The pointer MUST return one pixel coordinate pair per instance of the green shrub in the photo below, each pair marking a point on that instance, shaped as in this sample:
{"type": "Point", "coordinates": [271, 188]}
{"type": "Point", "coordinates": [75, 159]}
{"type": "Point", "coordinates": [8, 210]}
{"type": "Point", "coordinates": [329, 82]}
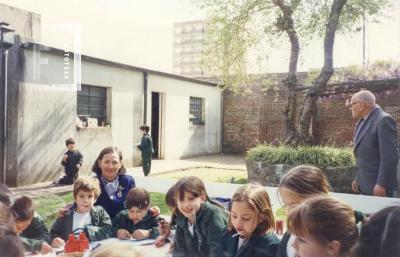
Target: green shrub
{"type": "Point", "coordinates": [320, 156]}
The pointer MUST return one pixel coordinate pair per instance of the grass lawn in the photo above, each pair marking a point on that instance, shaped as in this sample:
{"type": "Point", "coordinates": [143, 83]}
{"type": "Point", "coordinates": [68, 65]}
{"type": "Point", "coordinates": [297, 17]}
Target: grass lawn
{"type": "Point", "coordinates": [209, 174]}
{"type": "Point", "coordinates": [48, 206]}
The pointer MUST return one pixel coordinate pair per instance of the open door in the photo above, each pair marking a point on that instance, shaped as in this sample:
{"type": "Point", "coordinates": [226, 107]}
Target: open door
{"type": "Point", "coordinates": [156, 124]}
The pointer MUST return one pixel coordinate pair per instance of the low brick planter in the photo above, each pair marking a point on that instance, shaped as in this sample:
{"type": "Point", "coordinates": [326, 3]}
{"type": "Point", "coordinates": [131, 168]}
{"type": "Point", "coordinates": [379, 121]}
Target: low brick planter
{"type": "Point", "coordinates": [269, 175]}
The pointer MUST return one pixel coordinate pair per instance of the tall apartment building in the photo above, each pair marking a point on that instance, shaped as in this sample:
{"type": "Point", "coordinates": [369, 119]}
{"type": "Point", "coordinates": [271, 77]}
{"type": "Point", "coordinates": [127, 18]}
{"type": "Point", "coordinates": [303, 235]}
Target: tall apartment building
{"type": "Point", "coordinates": [188, 48]}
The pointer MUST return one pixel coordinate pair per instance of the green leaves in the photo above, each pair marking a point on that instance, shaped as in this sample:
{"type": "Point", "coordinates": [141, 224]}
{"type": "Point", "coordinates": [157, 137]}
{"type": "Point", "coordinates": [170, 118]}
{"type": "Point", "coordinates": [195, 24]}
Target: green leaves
{"type": "Point", "coordinates": [321, 157]}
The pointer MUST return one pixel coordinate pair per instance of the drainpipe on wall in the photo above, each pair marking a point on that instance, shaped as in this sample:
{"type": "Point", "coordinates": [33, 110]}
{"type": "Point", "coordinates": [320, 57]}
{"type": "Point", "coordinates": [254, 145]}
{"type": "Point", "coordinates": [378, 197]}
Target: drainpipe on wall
{"type": "Point", "coordinates": [145, 79]}
{"type": "Point", "coordinates": [4, 82]}
{"type": "Point", "coordinates": [222, 122]}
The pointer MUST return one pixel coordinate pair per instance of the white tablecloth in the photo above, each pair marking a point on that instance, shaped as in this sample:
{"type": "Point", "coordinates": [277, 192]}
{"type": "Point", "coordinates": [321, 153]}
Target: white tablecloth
{"type": "Point", "coordinates": [148, 250]}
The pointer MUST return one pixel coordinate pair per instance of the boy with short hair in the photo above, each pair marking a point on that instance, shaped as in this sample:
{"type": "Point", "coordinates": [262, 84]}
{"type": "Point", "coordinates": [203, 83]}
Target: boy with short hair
{"type": "Point", "coordinates": [30, 227]}
{"type": "Point", "coordinates": [136, 221]}
{"type": "Point", "coordinates": [84, 216]}
{"type": "Point", "coordinates": [146, 147]}
{"type": "Point", "coordinates": [72, 161]}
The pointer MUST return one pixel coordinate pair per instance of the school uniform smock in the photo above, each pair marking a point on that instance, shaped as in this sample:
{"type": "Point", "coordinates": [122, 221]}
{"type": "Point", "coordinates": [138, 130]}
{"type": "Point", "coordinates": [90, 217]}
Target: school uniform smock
{"type": "Point", "coordinates": [35, 234]}
{"type": "Point", "coordinates": [116, 202]}
{"type": "Point", "coordinates": [256, 246]}
{"type": "Point", "coordinates": [100, 226]}
{"type": "Point", "coordinates": [149, 222]}
{"type": "Point", "coordinates": [208, 229]}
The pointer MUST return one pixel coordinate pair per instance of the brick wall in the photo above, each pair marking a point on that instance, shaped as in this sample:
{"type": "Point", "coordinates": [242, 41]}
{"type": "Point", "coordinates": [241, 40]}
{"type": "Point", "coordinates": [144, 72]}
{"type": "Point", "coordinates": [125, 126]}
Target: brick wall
{"type": "Point", "coordinates": [258, 117]}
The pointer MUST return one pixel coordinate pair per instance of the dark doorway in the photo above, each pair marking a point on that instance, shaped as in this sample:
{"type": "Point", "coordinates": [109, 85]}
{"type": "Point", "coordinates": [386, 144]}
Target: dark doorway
{"type": "Point", "coordinates": [155, 123]}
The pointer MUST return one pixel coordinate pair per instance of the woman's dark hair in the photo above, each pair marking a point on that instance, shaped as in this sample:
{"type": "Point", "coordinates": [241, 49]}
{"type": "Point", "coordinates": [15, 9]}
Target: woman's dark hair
{"type": "Point", "coordinates": [10, 243]}
{"type": "Point", "coordinates": [23, 208]}
{"type": "Point", "coordinates": [111, 149]}
{"type": "Point", "coordinates": [380, 235]}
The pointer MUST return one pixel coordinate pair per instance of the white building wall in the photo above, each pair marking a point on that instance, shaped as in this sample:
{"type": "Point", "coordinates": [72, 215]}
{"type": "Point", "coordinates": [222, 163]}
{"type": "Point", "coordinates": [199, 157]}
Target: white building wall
{"type": "Point", "coordinates": [126, 108]}
{"type": "Point", "coordinates": [180, 138]}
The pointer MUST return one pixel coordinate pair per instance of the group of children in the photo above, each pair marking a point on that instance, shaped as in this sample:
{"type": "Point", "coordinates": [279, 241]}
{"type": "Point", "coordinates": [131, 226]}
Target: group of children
{"type": "Point", "coordinates": [72, 159]}
{"type": "Point", "coordinates": [318, 225]}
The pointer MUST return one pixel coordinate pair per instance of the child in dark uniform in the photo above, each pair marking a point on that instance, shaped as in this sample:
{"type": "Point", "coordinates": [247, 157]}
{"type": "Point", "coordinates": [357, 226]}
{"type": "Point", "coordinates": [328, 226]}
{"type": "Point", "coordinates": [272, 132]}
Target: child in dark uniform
{"type": "Point", "coordinates": [136, 221]}
{"type": "Point", "coordinates": [251, 224]}
{"type": "Point", "coordinates": [30, 227]}
{"type": "Point", "coordinates": [72, 161]}
{"type": "Point", "coordinates": [200, 222]}
{"type": "Point", "coordinates": [146, 147]}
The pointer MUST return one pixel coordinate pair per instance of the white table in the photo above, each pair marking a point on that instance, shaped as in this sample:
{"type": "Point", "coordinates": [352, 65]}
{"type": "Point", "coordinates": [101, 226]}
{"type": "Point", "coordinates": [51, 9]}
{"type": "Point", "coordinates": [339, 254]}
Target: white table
{"type": "Point", "coordinates": [148, 250]}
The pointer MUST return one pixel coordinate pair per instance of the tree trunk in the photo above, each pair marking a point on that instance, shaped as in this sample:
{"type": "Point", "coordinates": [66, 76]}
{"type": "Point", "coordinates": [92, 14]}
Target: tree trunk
{"type": "Point", "coordinates": [285, 23]}
{"type": "Point", "coordinates": [319, 84]}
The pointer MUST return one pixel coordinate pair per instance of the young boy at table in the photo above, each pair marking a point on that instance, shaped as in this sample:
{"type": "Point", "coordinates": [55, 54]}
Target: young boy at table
{"type": "Point", "coordinates": [136, 221]}
{"type": "Point", "coordinates": [84, 216]}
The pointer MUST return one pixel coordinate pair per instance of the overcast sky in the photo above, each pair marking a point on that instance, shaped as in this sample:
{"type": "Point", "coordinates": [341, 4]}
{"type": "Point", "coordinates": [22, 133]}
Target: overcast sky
{"type": "Point", "coordinates": [139, 32]}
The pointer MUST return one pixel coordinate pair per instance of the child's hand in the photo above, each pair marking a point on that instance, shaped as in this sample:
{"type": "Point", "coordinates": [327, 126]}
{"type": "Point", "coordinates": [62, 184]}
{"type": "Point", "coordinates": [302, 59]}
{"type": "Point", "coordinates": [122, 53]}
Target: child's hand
{"type": "Point", "coordinates": [123, 234]}
{"type": "Point", "coordinates": [57, 242]}
{"type": "Point", "coordinates": [160, 241]}
{"type": "Point", "coordinates": [164, 228]}
{"type": "Point", "coordinates": [141, 234]}
{"type": "Point", "coordinates": [155, 210]}
{"type": "Point", "coordinates": [63, 210]}
{"type": "Point", "coordinates": [65, 157]}
{"type": "Point", "coordinates": [171, 248]}
{"type": "Point", "coordinates": [78, 166]}
{"type": "Point", "coordinates": [46, 248]}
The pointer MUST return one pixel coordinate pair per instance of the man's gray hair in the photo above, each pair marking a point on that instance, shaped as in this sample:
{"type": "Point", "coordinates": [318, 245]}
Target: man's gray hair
{"type": "Point", "coordinates": [365, 96]}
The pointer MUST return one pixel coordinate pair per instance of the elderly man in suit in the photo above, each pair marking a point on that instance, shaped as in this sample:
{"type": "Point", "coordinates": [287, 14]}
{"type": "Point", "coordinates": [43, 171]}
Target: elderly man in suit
{"type": "Point", "coordinates": [375, 147]}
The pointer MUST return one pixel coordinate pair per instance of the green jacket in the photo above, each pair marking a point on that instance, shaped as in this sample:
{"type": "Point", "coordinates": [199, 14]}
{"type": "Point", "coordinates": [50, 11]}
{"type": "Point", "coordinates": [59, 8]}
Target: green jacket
{"type": "Point", "coordinates": [35, 234]}
{"type": "Point", "coordinates": [210, 225]}
{"type": "Point", "coordinates": [257, 246]}
{"type": "Point", "coordinates": [100, 228]}
{"type": "Point", "coordinates": [149, 222]}
{"type": "Point", "coordinates": [146, 145]}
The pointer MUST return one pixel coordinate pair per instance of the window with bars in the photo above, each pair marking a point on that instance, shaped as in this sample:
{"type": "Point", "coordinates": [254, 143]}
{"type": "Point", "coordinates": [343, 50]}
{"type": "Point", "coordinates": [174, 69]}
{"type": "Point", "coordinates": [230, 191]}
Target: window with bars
{"type": "Point", "coordinates": [92, 105]}
{"type": "Point", "coordinates": [196, 111]}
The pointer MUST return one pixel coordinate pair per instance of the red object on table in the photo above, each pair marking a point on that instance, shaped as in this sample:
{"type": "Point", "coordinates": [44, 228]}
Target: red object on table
{"type": "Point", "coordinates": [76, 245]}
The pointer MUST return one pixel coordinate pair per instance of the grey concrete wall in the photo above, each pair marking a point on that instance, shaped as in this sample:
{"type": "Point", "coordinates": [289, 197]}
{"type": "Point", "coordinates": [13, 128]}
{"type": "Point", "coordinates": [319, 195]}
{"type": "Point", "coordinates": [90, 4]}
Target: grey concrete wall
{"type": "Point", "coordinates": [25, 23]}
{"type": "Point", "coordinates": [126, 112]}
{"type": "Point", "coordinates": [46, 106]}
{"type": "Point", "coordinates": [47, 112]}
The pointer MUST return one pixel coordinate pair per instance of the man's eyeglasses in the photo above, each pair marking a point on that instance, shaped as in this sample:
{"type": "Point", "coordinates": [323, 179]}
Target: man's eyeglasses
{"type": "Point", "coordinates": [351, 104]}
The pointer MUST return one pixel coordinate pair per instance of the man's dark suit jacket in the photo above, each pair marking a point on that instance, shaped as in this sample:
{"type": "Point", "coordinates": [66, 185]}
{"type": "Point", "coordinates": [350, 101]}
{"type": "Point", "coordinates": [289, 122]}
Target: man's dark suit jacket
{"type": "Point", "coordinates": [377, 154]}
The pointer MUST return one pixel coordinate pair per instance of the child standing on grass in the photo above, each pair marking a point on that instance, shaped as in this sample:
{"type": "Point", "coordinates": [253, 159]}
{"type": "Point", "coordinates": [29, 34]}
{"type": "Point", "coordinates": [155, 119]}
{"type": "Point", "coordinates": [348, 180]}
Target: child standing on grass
{"type": "Point", "coordinates": [30, 226]}
{"type": "Point", "coordinates": [72, 161]}
{"type": "Point", "coordinates": [146, 147]}
{"type": "Point", "coordinates": [84, 216]}
{"type": "Point", "coordinates": [251, 225]}
{"type": "Point", "coordinates": [136, 221]}
{"type": "Point", "coordinates": [200, 222]}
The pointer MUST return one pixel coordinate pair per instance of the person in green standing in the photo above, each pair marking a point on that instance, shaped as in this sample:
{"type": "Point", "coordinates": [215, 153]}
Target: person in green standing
{"type": "Point", "coordinates": [146, 147]}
